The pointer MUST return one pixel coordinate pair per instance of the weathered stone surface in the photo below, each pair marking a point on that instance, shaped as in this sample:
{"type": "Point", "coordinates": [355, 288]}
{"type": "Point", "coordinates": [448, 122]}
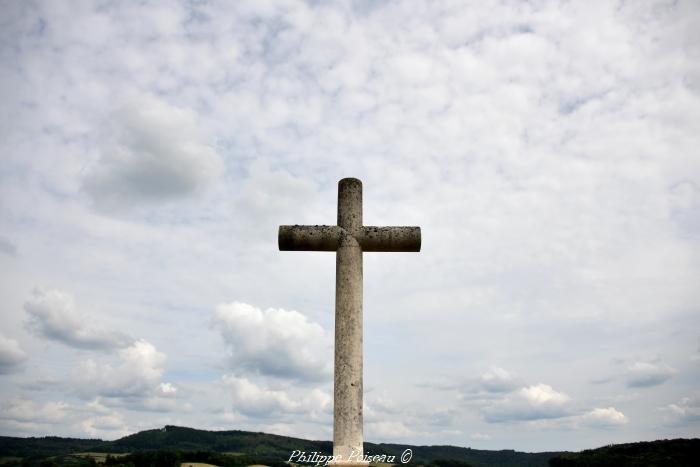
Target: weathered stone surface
{"type": "Point", "coordinates": [350, 206]}
{"type": "Point", "coordinates": [309, 237]}
{"type": "Point", "coordinates": [347, 388]}
{"type": "Point", "coordinates": [348, 239]}
{"type": "Point", "coordinates": [390, 239]}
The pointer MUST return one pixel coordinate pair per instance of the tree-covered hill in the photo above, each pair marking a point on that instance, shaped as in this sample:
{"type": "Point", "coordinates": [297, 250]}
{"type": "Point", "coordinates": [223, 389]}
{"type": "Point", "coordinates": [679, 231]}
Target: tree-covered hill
{"type": "Point", "coordinates": [263, 448]}
{"type": "Point", "coordinates": [256, 445]}
{"type": "Point", "coordinates": [661, 453]}
{"type": "Point", "coordinates": [174, 437]}
{"type": "Point", "coordinates": [476, 457]}
{"type": "Point", "coordinates": [45, 446]}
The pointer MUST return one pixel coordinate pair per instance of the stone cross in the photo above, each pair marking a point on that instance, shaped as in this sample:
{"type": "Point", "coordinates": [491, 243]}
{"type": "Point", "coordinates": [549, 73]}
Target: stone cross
{"type": "Point", "coordinates": [348, 239]}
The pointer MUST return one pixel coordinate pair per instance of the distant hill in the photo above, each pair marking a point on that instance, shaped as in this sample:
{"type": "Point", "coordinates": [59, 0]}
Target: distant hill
{"type": "Point", "coordinates": [256, 445]}
{"type": "Point", "coordinates": [245, 447]}
{"type": "Point", "coordinates": [662, 453]}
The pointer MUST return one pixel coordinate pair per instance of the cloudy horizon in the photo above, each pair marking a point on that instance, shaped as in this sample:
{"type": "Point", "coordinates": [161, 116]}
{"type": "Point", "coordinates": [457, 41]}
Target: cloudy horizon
{"type": "Point", "coordinates": [547, 150]}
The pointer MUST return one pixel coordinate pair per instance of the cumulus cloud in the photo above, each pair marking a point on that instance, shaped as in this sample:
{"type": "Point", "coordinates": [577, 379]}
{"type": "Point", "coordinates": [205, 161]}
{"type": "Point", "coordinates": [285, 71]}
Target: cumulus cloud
{"type": "Point", "coordinates": [599, 418]}
{"type": "Point", "coordinates": [501, 399]}
{"type": "Point", "coordinates": [156, 153]}
{"type": "Point", "coordinates": [641, 374]}
{"type": "Point", "coordinates": [46, 417]}
{"type": "Point", "coordinates": [497, 380]}
{"type": "Point", "coordinates": [53, 315]}
{"type": "Point", "coordinates": [134, 380]}
{"type": "Point", "coordinates": [112, 424]}
{"type": "Point", "coordinates": [603, 417]}
{"type": "Point", "coordinates": [491, 384]}
{"type": "Point", "coordinates": [250, 399]}
{"type": "Point", "coordinates": [11, 355]}
{"type": "Point", "coordinates": [273, 342]}
{"type": "Point", "coordinates": [25, 410]}
{"type": "Point", "coordinates": [28, 416]}
{"type": "Point", "coordinates": [687, 410]}
{"type": "Point", "coordinates": [535, 402]}
{"type": "Point", "coordinates": [379, 406]}
{"type": "Point", "coordinates": [255, 400]}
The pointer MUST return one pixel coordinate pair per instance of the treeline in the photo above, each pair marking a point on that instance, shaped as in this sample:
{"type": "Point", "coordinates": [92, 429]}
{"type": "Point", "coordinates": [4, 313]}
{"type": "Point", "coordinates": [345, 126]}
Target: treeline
{"type": "Point", "coordinates": [254, 444]}
{"type": "Point", "coordinates": [190, 439]}
{"type": "Point", "coordinates": [449, 463]}
{"type": "Point", "coordinates": [45, 446]}
{"type": "Point", "coordinates": [426, 455]}
{"type": "Point", "coordinates": [662, 453]}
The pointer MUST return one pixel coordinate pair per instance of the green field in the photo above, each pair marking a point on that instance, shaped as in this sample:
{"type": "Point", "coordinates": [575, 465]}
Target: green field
{"type": "Point", "coordinates": [9, 459]}
{"type": "Point", "coordinates": [99, 457]}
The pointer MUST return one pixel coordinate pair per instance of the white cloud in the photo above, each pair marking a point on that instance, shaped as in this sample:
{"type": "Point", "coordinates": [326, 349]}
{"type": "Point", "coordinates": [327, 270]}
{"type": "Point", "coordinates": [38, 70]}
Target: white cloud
{"type": "Point", "coordinates": [378, 407]}
{"type": "Point", "coordinates": [97, 420]}
{"type": "Point", "coordinates": [542, 394]}
{"type": "Point", "coordinates": [112, 425]}
{"type": "Point", "coordinates": [687, 410]}
{"type": "Point", "coordinates": [595, 420]}
{"type": "Point", "coordinates": [540, 406]}
{"type": "Point", "coordinates": [603, 417]}
{"type": "Point", "coordinates": [31, 417]}
{"type": "Point", "coordinates": [641, 374]}
{"type": "Point", "coordinates": [53, 315]}
{"type": "Point", "coordinates": [25, 410]}
{"type": "Point", "coordinates": [156, 152]}
{"type": "Point", "coordinates": [58, 417]}
{"type": "Point", "coordinates": [11, 355]}
{"type": "Point", "coordinates": [135, 379]}
{"type": "Point", "coordinates": [273, 342]}
{"type": "Point", "coordinates": [167, 388]}
{"type": "Point", "coordinates": [535, 402]}
{"type": "Point", "coordinates": [497, 380]}
{"type": "Point", "coordinates": [257, 401]}
{"type": "Point", "coordinates": [490, 385]}
{"type": "Point", "coordinates": [250, 399]}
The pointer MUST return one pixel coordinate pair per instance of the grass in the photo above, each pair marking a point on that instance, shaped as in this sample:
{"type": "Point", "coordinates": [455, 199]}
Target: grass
{"type": "Point", "coordinates": [8, 459]}
{"type": "Point", "coordinates": [99, 457]}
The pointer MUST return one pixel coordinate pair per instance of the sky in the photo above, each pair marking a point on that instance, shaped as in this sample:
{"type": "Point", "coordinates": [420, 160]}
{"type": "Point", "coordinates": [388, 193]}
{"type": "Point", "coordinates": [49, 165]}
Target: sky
{"type": "Point", "coordinates": [548, 151]}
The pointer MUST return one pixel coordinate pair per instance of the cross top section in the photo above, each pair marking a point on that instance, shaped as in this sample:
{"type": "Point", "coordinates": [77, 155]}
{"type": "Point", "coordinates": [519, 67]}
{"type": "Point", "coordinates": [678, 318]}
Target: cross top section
{"type": "Point", "coordinates": [331, 237]}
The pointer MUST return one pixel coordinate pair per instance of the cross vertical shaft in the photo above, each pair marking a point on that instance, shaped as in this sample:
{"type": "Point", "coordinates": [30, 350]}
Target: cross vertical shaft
{"type": "Point", "coordinates": [347, 381]}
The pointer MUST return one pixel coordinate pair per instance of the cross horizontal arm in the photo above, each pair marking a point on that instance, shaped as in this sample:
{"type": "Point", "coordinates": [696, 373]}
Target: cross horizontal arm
{"type": "Point", "coordinates": [309, 237]}
{"type": "Point", "coordinates": [327, 238]}
{"type": "Point", "coordinates": [390, 239]}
